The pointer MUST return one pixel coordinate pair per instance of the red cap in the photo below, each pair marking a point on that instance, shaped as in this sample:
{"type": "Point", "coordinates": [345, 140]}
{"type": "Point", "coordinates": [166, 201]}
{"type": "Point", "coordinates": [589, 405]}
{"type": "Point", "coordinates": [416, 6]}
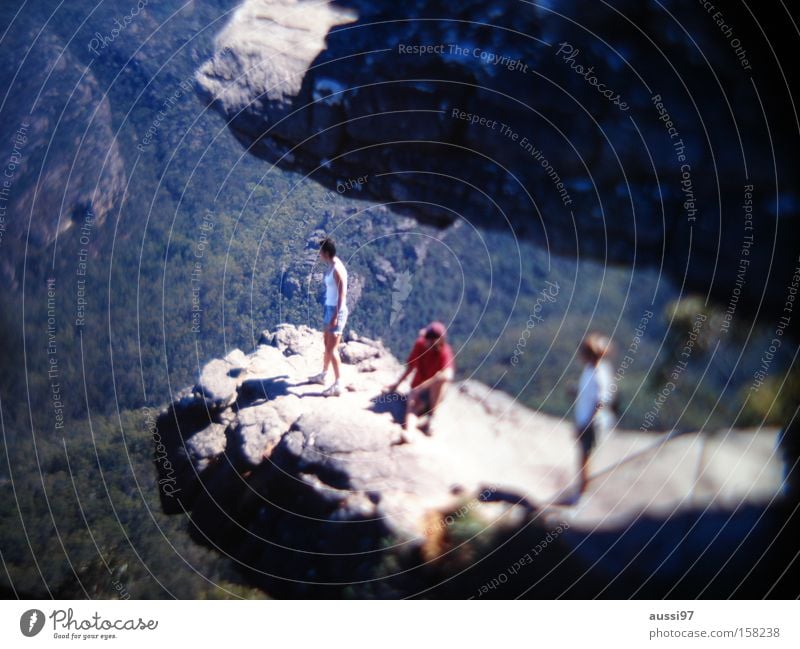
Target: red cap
{"type": "Point", "coordinates": [435, 330]}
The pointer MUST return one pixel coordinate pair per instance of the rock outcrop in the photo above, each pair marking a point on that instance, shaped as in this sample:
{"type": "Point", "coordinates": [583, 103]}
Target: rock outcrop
{"type": "Point", "coordinates": [488, 112]}
{"type": "Point", "coordinates": [308, 492]}
{"type": "Point", "coordinates": [63, 167]}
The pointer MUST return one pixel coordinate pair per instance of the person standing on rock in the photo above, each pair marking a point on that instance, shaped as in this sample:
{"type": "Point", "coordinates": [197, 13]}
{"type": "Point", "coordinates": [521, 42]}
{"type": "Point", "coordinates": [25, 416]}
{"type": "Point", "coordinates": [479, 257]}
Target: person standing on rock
{"type": "Point", "coordinates": [431, 360]}
{"type": "Point", "coordinates": [593, 404]}
{"type": "Point", "coordinates": [335, 315]}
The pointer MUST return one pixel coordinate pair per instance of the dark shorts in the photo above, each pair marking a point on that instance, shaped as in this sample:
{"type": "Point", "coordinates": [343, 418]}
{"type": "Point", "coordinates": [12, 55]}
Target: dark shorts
{"type": "Point", "coordinates": [587, 437]}
{"type": "Point", "coordinates": [424, 402]}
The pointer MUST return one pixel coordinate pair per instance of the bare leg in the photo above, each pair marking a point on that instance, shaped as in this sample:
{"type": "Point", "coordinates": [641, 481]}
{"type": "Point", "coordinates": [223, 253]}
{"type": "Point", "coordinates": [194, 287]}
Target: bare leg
{"type": "Point", "coordinates": [326, 355]}
{"type": "Point", "coordinates": [332, 350]}
{"type": "Point", "coordinates": [584, 473]}
{"type": "Point", "coordinates": [437, 390]}
{"type": "Point", "coordinates": [436, 393]}
{"type": "Point", "coordinates": [584, 476]}
{"type": "Point", "coordinates": [411, 411]}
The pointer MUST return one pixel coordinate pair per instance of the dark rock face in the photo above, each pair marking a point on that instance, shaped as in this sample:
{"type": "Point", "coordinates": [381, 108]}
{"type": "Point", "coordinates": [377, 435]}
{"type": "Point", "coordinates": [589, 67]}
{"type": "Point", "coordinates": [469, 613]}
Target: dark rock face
{"type": "Point", "coordinates": [62, 165]}
{"type": "Point", "coordinates": [73, 82]}
{"type": "Point", "coordinates": [621, 132]}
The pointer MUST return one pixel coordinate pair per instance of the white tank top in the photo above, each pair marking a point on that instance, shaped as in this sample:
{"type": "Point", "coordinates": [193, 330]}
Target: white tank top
{"type": "Point", "coordinates": [331, 290]}
{"type": "Point", "coordinates": [595, 386]}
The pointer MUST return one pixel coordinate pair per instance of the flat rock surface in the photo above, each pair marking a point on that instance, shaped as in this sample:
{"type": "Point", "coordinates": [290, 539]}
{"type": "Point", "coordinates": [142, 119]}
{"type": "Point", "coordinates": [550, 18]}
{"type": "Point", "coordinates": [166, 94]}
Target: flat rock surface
{"type": "Point", "coordinates": [636, 474]}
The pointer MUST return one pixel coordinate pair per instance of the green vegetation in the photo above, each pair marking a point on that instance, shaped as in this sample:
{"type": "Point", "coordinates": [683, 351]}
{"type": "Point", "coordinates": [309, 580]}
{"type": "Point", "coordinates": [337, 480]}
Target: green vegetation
{"type": "Point", "coordinates": [82, 519]}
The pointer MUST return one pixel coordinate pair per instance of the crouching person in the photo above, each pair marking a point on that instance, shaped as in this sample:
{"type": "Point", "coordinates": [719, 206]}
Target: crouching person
{"type": "Point", "coordinates": [432, 365]}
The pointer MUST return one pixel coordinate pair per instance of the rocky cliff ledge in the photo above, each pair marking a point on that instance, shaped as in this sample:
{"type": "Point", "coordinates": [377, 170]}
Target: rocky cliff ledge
{"type": "Point", "coordinates": [308, 493]}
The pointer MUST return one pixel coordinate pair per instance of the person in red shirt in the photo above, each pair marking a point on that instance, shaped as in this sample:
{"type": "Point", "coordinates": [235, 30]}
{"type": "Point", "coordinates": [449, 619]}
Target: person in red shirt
{"type": "Point", "coordinates": [431, 361]}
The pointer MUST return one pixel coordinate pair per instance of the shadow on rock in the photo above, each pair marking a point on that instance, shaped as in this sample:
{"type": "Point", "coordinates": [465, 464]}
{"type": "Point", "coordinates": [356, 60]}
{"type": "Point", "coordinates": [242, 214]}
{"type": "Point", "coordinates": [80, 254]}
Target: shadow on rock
{"type": "Point", "coordinates": [287, 534]}
{"type": "Point", "coordinates": [392, 402]}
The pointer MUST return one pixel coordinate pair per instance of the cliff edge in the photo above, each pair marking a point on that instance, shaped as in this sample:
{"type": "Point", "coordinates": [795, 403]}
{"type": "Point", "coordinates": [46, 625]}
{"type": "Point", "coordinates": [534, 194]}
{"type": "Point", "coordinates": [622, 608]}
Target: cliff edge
{"type": "Point", "coordinates": [281, 478]}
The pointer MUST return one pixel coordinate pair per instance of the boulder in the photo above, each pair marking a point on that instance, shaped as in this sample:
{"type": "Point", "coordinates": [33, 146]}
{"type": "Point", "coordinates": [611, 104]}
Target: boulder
{"type": "Point", "coordinates": [355, 352]}
{"type": "Point", "coordinates": [218, 382]}
{"type": "Point", "coordinates": [293, 340]}
{"type": "Point", "coordinates": [205, 445]}
{"type": "Point", "coordinates": [258, 430]}
{"type": "Point", "coordinates": [282, 38]}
